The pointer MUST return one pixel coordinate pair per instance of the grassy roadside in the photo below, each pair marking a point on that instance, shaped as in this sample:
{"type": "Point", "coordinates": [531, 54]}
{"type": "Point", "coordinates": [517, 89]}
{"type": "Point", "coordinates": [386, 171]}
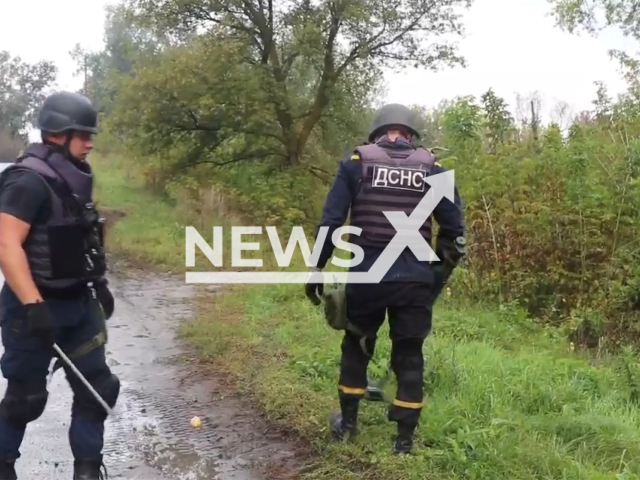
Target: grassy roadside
{"type": "Point", "coordinates": [506, 400]}
{"type": "Point", "coordinates": [149, 233]}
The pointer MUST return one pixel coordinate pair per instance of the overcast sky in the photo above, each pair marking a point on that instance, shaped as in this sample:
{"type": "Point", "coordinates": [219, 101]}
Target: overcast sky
{"type": "Point", "coordinates": [511, 45]}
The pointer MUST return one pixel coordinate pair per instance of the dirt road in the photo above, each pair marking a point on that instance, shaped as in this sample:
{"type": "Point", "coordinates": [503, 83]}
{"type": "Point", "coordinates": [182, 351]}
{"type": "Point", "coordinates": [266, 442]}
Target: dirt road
{"type": "Point", "coordinates": [150, 437]}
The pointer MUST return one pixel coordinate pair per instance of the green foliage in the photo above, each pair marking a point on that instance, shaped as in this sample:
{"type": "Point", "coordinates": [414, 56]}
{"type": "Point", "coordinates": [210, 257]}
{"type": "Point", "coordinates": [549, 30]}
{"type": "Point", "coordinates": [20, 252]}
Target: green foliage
{"type": "Point", "coordinates": [498, 121]}
{"type": "Point", "coordinates": [593, 16]}
{"type": "Point", "coordinates": [125, 47]}
{"type": "Point", "coordinates": [22, 91]}
{"type": "Point", "coordinates": [307, 56]}
{"type": "Point", "coordinates": [261, 100]}
{"type": "Point", "coordinates": [250, 116]}
{"type": "Point", "coordinates": [505, 399]}
{"type": "Point", "coordinates": [259, 105]}
{"type": "Point", "coordinates": [557, 230]}
{"type": "Point", "coordinates": [461, 125]}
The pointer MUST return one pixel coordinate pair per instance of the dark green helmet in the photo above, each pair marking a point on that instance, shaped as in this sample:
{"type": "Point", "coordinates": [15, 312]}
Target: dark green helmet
{"type": "Point", "coordinates": [67, 111]}
{"type": "Point", "coordinates": [390, 115]}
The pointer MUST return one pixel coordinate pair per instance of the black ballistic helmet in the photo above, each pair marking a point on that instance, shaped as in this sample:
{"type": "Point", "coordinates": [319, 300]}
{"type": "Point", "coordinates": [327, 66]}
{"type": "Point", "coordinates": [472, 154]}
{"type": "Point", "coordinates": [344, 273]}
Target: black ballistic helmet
{"type": "Point", "coordinates": [67, 111]}
{"type": "Point", "coordinates": [390, 115]}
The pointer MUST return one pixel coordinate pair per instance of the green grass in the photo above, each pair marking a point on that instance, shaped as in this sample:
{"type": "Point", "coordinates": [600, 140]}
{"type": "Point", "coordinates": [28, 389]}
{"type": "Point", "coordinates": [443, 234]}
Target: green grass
{"type": "Point", "coordinates": [150, 233]}
{"type": "Point", "coordinates": [153, 232]}
{"type": "Point", "coordinates": [505, 399]}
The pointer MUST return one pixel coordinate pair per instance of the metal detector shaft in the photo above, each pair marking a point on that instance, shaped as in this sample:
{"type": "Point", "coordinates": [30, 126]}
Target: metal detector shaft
{"type": "Point", "coordinates": [95, 394]}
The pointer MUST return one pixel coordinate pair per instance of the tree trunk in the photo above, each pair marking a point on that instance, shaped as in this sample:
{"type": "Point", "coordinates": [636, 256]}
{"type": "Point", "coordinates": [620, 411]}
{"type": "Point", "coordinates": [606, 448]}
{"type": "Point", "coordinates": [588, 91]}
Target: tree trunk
{"type": "Point", "coordinates": [292, 148]}
{"type": "Point", "coordinates": [534, 122]}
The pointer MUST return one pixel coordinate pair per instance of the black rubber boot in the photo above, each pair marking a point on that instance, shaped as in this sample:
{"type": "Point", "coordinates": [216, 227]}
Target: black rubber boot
{"type": "Point", "coordinates": [345, 423]}
{"type": "Point", "coordinates": [404, 439]}
{"type": "Point", "coordinates": [89, 470]}
{"type": "Point", "coordinates": [7, 471]}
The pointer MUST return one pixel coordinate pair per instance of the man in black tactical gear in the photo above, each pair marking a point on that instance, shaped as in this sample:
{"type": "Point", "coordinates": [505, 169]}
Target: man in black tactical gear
{"type": "Point", "coordinates": [387, 175]}
{"type": "Point", "coordinates": [53, 260]}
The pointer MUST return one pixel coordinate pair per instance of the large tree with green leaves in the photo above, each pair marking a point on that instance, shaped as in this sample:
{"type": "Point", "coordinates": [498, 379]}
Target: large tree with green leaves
{"type": "Point", "coordinates": [302, 53]}
{"type": "Point", "coordinates": [593, 16]}
{"type": "Point", "coordinates": [22, 90]}
{"type": "Point", "coordinates": [124, 45]}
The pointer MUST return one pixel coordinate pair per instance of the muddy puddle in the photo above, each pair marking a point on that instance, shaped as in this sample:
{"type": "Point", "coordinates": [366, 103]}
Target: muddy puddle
{"type": "Point", "coordinates": [150, 436]}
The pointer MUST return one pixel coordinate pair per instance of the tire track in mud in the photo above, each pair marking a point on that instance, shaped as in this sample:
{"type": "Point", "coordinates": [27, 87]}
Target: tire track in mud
{"type": "Point", "coordinates": [150, 437]}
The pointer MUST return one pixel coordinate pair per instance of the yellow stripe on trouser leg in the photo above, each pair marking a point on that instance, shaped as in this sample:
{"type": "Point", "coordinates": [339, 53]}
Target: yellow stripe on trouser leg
{"type": "Point", "coordinates": [351, 391]}
{"type": "Point", "coordinates": [413, 405]}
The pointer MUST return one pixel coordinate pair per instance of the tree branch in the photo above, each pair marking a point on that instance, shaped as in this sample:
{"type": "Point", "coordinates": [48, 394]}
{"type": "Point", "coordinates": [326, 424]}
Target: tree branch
{"type": "Point", "coordinates": [240, 157]}
{"type": "Point", "coordinates": [327, 78]}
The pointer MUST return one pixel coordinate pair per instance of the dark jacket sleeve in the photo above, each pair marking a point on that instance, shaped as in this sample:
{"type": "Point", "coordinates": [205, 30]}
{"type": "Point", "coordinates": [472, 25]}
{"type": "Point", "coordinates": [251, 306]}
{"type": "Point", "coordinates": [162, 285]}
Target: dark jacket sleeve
{"type": "Point", "coordinates": [449, 215]}
{"type": "Point", "coordinates": [337, 204]}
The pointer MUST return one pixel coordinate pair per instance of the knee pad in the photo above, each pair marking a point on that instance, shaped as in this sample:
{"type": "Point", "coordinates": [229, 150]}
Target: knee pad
{"type": "Point", "coordinates": [408, 347]}
{"type": "Point", "coordinates": [109, 389]}
{"type": "Point", "coordinates": [23, 403]}
{"type": "Point", "coordinates": [407, 354]}
{"type": "Point", "coordinates": [107, 386]}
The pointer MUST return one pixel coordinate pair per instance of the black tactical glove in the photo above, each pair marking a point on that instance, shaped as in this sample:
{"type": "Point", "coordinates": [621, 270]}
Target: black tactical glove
{"type": "Point", "coordinates": [105, 298]}
{"type": "Point", "coordinates": [449, 254]}
{"type": "Point", "coordinates": [439, 274]}
{"type": "Point", "coordinates": [40, 322]}
{"type": "Point", "coordinates": [314, 284]}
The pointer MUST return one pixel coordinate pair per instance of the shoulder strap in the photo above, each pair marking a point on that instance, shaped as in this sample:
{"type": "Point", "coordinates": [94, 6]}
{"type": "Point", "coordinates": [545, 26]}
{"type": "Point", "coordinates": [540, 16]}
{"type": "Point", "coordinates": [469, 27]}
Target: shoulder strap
{"type": "Point", "coordinates": [372, 152]}
{"type": "Point", "coordinates": [424, 156]}
{"type": "Point", "coordinates": [58, 188]}
{"type": "Point", "coordinates": [40, 166]}
{"type": "Point", "coordinates": [57, 206]}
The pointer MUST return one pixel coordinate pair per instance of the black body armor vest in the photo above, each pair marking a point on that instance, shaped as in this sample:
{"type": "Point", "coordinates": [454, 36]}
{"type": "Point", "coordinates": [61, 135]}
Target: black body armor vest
{"type": "Point", "coordinates": [392, 180]}
{"type": "Point", "coordinates": [68, 250]}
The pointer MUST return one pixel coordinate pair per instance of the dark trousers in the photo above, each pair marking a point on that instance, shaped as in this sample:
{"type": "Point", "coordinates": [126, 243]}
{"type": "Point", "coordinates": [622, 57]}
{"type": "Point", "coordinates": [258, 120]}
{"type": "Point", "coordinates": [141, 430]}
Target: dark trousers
{"type": "Point", "coordinates": [25, 364]}
{"type": "Point", "coordinates": [409, 307]}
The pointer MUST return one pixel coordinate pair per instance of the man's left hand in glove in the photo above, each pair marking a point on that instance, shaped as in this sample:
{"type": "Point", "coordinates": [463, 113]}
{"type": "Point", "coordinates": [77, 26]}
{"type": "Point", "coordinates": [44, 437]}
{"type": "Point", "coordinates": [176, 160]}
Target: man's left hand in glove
{"type": "Point", "coordinates": [314, 287]}
{"type": "Point", "coordinates": [449, 253]}
{"type": "Point", "coordinates": [105, 298]}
